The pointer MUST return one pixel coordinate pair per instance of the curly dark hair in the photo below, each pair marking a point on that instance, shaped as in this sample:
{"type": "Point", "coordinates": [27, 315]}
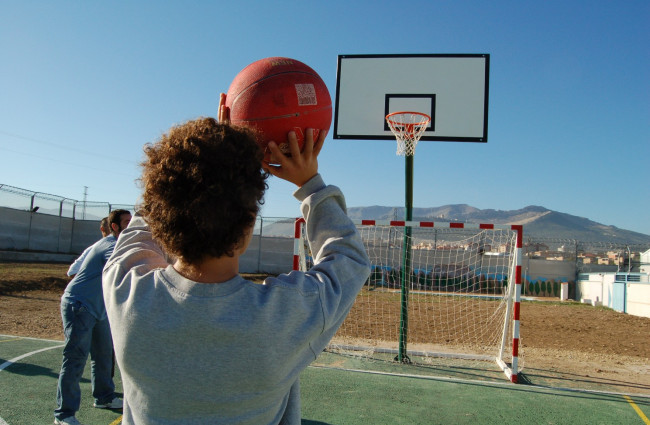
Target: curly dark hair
{"type": "Point", "coordinates": [203, 187]}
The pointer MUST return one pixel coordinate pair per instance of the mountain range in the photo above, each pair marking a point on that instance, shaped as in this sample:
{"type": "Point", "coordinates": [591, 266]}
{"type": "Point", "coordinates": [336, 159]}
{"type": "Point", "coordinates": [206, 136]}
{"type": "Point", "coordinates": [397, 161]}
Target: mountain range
{"type": "Point", "coordinates": [537, 221]}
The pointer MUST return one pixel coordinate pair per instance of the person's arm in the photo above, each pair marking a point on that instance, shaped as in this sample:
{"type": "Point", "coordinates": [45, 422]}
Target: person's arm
{"type": "Point", "coordinates": [341, 264]}
{"type": "Point", "coordinates": [76, 265]}
{"type": "Point", "coordinates": [134, 248]}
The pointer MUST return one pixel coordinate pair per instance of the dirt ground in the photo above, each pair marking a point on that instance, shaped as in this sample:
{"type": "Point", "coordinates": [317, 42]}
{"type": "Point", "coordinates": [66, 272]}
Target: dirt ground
{"type": "Point", "coordinates": [578, 342]}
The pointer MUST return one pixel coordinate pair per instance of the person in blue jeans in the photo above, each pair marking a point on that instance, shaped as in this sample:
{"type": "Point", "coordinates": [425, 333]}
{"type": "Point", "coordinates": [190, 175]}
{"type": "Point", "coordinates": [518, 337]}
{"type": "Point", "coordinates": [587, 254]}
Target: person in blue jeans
{"type": "Point", "coordinates": [87, 331]}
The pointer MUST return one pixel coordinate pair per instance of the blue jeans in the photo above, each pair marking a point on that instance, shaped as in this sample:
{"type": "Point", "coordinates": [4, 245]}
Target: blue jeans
{"type": "Point", "coordinates": [84, 335]}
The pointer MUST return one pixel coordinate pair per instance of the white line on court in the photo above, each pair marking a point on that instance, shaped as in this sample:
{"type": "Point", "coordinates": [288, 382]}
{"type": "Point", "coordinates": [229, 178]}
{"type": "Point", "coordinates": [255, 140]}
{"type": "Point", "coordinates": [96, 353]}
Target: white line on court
{"type": "Point", "coordinates": [11, 340]}
{"type": "Point", "coordinates": [8, 363]}
{"type": "Point", "coordinates": [16, 338]}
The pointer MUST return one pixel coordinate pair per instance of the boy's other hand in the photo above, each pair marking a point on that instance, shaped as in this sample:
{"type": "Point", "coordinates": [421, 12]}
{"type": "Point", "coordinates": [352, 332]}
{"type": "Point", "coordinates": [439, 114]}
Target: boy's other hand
{"type": "Point", "coordinates": [300, 167]}
{"type": "Point", "coordinates": [224, 112]}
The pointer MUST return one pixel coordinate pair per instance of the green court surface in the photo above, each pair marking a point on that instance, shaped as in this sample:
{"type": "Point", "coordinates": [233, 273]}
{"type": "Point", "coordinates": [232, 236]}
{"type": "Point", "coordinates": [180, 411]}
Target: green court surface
{"type": "Point", "coordinates": [349, 390]}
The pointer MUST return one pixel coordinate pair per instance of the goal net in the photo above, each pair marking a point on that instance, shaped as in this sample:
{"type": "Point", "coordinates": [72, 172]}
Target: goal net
{"type": "Point", "coordinates": [435, 290]}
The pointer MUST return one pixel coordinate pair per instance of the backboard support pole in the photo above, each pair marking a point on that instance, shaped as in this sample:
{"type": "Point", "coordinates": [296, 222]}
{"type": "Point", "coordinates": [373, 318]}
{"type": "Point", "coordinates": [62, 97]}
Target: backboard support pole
{"type": "Point", "coordinates": [407, 265]}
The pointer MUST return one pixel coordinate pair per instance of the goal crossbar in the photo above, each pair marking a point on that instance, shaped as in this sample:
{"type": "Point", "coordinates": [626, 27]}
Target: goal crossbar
{"type": "Point", "coordinates": [463, 287]}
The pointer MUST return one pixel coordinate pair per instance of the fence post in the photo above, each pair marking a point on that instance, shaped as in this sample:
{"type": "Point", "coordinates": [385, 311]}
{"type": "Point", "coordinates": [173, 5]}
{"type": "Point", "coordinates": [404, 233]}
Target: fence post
{"type": "Point", "coordinates": [577, 264]}
{"type": "Point", "coordinates": [31, 215]}
{"type": "Point", "coordinates": [74, 219]}
{"type": "Point", "coordinates": [58, 233]}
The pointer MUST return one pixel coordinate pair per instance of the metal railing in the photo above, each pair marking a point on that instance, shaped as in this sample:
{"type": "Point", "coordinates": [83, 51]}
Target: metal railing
{"type": "Point", "coordinates": [45, 203]}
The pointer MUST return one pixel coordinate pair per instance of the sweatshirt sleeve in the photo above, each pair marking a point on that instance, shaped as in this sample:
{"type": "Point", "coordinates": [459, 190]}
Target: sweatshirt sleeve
{"type": "Point", "coordinates": [341, 264]}
{"type": "Point", "coordinates": [135, 250]}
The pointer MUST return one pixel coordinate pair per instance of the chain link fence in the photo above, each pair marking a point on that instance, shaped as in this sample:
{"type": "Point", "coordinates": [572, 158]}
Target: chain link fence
{"type": "Point", "coordinates": [588, 257]}
{"type": "Point", "coordinates": [41, 222]}
{"type": "Point", "coordinates": [36, 221]}
{"type": "Point", "coordinates": [45, 203]}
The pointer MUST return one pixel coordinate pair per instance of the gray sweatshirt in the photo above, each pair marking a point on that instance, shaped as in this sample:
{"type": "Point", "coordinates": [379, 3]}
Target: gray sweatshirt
{"type": "Point", "coordinates": [196, 353]}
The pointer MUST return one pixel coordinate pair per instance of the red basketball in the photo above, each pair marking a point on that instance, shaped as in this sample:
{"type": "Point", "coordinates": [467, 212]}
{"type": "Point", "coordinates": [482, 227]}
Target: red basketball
{"type": "Point", "coordinates": [276, 95]}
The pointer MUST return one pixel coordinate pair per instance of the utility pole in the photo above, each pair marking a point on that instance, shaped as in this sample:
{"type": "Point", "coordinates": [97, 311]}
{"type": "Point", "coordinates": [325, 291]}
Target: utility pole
{"type": "Point", "coordinates": [83, 213]}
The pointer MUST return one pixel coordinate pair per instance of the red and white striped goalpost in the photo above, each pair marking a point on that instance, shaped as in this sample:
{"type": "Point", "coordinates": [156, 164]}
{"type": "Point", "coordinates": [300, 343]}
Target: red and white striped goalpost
{"type": "Point", "coordinates": [513, 291]}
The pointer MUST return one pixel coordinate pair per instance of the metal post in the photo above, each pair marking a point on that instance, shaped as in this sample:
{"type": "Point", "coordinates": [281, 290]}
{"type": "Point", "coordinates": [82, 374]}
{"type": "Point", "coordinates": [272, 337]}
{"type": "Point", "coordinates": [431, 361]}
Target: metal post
{"type": "Point", "coordinates": [402, 357]}
{"type": "Point", "coordinates": [629, 259]}
{"type": "Point", "coordinates": [31, 216]}
{"type": "Point", "coordinates": [83, 216]}
{"type": "Point", "coordinates": [58, 233]}
{"type": "Point", "coordinates": [74, 212]}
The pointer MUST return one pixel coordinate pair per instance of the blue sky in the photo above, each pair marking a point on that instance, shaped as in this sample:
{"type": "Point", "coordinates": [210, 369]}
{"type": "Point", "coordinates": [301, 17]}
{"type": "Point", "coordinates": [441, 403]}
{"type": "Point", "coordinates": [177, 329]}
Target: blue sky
{"type": "Point", "coordinates": [84, 85]}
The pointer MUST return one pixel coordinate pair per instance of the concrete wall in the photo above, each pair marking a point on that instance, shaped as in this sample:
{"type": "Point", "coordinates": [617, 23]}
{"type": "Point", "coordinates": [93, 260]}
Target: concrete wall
{"type": "Point", "coordinates": [597, 289]}
{"type": "Point", "coordinates": [50, 238]}
{"type": "Point", "coordinates": [24, 230]}
{"type": "Point", "coordinates": [538, 269]}
{"type": "Point", "coordinates": [14, 229]}
{"type": "Point", "coordinates": [638, 299]}
{"type": "Point", "coordinates": [645, 262]}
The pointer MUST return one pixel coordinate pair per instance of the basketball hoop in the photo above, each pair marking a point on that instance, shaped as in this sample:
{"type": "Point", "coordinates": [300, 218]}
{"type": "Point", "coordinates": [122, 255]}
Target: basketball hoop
{"type": "Point", "coordinates": [407, 127]}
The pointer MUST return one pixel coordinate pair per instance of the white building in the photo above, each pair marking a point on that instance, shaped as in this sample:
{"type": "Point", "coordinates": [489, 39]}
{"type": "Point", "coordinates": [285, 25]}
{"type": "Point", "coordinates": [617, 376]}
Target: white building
{"type": "Point", "coordinates": [645, 262]}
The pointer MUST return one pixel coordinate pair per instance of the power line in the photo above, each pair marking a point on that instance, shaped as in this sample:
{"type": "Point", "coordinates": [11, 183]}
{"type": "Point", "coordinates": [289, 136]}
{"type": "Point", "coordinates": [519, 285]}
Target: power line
{"type": "Point", "coordinates": [70, 164]}
{"type": "Point", "coordinates": [102, 154]}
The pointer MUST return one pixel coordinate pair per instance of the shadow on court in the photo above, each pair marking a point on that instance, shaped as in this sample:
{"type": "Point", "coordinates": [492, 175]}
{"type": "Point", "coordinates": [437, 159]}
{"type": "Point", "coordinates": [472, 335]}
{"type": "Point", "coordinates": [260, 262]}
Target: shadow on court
{"type": "Point", "coordinates": [28, 369]}
{"type": "Point", "coordinates": [572, 380]}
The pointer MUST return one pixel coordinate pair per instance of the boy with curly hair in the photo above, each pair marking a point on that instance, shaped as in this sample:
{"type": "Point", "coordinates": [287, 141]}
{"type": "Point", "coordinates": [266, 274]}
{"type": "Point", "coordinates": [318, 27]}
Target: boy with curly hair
{"type": "Point", "coordinates": [197, 343]}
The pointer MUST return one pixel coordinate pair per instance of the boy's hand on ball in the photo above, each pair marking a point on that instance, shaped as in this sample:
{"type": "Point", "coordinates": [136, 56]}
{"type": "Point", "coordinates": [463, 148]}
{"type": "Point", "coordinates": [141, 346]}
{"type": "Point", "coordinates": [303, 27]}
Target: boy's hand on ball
{"type": "Point", "coordinates": [299, 167]}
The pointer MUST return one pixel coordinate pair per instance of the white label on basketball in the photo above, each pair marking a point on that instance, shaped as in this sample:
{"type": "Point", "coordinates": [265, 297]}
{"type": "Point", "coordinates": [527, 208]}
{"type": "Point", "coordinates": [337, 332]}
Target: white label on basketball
{"type": "Point", "coordinates": [306, 94]}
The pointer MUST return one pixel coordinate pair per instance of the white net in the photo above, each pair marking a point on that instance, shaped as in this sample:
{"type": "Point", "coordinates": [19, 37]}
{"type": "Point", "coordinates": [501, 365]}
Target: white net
{"type": "Point", "coordinates": [460, 293]}
{"type": "Point", "coordinates": [407, 127]}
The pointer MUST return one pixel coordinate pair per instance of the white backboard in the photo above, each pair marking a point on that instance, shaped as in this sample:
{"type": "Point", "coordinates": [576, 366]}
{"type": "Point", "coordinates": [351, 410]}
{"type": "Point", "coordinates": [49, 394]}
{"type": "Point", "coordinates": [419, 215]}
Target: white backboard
{"type": "Point", "coordinates": [451, 88]}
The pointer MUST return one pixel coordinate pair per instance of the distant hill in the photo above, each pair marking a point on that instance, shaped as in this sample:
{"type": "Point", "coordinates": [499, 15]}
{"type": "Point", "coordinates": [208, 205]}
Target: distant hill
{"type": "Point", "coordinates": [537, 221]}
